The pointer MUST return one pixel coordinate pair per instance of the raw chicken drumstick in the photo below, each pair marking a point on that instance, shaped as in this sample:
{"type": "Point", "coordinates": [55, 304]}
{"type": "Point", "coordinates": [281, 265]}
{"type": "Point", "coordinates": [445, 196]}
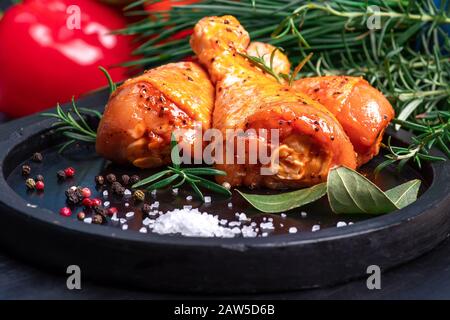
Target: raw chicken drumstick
{"type": "Point", "coordinates": [143, 112]}
{"type": "Point", "coordinates": [311, 139]}
{"type": "Point", "coordinates": [362, 110]}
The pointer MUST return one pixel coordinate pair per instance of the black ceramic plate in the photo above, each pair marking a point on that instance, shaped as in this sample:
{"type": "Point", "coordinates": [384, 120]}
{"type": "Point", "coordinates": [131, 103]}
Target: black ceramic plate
{"type": "Point", "coordinates": [33, 230]}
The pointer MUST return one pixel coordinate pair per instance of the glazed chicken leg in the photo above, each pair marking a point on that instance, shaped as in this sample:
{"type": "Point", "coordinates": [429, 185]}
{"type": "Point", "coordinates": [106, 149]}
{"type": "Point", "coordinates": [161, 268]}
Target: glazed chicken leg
{"type": "Point", "coordinates": [362, 110]}
{"type": "Point", "coordinates": [311, 139]}
{"type": "Point", "coordinates": [143, 112]}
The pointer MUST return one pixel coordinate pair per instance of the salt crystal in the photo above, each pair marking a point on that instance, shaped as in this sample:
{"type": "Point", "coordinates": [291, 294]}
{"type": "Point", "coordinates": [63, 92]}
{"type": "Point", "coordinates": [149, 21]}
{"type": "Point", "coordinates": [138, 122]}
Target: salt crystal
{"type": "Point", "coordinates": [122, 220]}
{"type": "Point", "coordinates": [293, 230]}
{"type": "Point", "coordinates": [315, 228]}
{"type": "Point", "coordinates": [127, 193]}
{"type": "Point", "coordinates": [146, 221]}
{"type": "Point", "coordinates": [303, 214]}
{"type": "Point", "coordinates": [175, 191]}
{"type": "Point", "coordinates": [248, 232]}
{"type": "Point", "coordinates": [341, 224]}
{"type": "Point", "coordinates": [266, 225]}
{"type": "Point", "coordinates": [243, 217]}
{"type": "Point", "coordinates": [265, 234]}
{"type": "Point", "coordinates": [129, 214]}
{"type": "Point", "coordinates": [187, 207]}
{"type": "Point", "coordinates": [350, 223]}
{"type": "Point", "coordinates": [271, 219]}
{"type": "Point", "coordinates": [191, 223]}
{"type": "Point", "coordinates": [143, 230]}
{"type": "Point", "coordinates": [153, 193]}
{"type": "Point", "coordinates": [207, 199]}
{"type": "Point", "coordinates": [114, 217]}
{"type": "Point", "coordinates": [105, 194]}
{"type": "Point", "coordinates": [230, 205]}
{"type": "Point", "coordinates": [189, 198]}
{"type": "Point", "coordinates": [281, 225]}
{"type": "Point", "coordinates": [223, 222]}
{"type": "Point", "coordinates": [106, 204]}
{"type": "Point", "coordinates": [283, 215]}
{"type": "Point", "coordinates": [31, 205]}
{"type": "Point", "coordinates": [126, 204]}
{"type": "Point", "coordinates": [234, 223]}
{"type": "Point", "coordinates": [124, 227]}
{"type": "Point", "coordinates": [236, 230]}
{"type": "Point", "coordinates": [87, 220]}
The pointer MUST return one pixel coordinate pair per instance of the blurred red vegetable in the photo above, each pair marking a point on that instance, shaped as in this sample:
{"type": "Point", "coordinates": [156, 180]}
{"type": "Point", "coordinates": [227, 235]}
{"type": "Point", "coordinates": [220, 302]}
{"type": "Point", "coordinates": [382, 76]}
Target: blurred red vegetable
{"type": "Point", "coordinates": [45, 58]}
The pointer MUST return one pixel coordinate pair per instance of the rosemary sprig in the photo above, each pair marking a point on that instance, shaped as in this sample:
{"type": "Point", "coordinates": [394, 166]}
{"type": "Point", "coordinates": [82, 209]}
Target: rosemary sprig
{"type": "Point", "coordinates": [178, 176]}
{"type": "Point", "coordinates": [260, 62]}
{"type": "Point", "coordinates": [418, 150]}
{"type": "Point", "coordinates": [74, 127]}
{"type": "Point", "coordinates": [112, 85]}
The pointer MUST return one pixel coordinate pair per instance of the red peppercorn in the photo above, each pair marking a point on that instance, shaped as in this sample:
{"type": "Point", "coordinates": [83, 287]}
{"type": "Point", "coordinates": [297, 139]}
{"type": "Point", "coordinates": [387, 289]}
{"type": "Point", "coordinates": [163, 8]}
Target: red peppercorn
{"type": "Point", "coordinates": [69, 172]}
{"type": "Point", "coordinates": [39, 185]}
{"type": "Point", "coordinates": [86, 192]}
{"type": "Point", "coordinates": [87, 202]}
{"type": "Point", "coordinates": [81, 215]}
{"type": "Point", "coordinates": [66, 212]}
{"type": "Point", "coordinates": [112, 211]}
{"type": "Point", "coordinates": [96, 202]}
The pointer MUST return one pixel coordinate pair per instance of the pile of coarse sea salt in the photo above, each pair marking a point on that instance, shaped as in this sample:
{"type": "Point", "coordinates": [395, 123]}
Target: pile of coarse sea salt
{"type": "Point", "coordinates": [193, 223]}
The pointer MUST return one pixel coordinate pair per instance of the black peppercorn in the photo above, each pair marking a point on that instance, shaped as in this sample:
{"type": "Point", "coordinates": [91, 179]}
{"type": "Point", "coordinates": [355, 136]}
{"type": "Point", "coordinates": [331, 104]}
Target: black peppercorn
{"type": "Point", "coordinates": [99, 180]}
{"type": "Point", "coordinates": [26, 169]}
{"type": "Point", "coordinates": [61, 175]}
{"type": "Point", "coordinates": [134, 179]}
{"type": "Point", "coordinates": [74, 195]}
{"type": "Point", "coordinates": [125, 179]}
{"type": "Point", "coordinates": [117, 188]}
{"type": "Point", "coordinates": [40, 177]}
{"type": "Point", "coordinates": [101, 211]}
{"type": "Point", "coordinates": [97, 219]}
{"type": "Point", "coordinates": [37, 157]}
{"type": "Point", "coordinates": [111, 178]}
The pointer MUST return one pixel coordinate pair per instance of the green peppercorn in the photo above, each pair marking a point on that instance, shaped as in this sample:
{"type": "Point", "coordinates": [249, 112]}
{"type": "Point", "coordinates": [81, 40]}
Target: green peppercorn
{"type": "Point", "coordinates": [139, 195]}
{"type": "Point", "coordinates": [30, 183]}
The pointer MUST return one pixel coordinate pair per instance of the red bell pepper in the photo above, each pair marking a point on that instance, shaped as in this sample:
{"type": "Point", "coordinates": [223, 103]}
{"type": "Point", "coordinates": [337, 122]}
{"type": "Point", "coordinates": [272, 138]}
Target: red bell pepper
{"type": "Point", "coordinates": [45, 58]}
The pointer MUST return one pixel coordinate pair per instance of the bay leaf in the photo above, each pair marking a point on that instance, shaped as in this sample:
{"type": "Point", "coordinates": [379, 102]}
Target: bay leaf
{"type": "Point", "coordinates": [350, 192]}
{"type": "Point", "coordinates": [285, 201]}
{"type": "Point", "coordinates": [404, 194]}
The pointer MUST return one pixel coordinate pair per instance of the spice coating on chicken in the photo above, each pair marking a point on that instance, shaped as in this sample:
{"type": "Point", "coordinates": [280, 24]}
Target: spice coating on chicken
{"type": "Point", "coordinates": [362, 110]}
{"type": "Point", "coordinates": [311, 139]}
{"type": "Point", "coordinates": [143, 112]}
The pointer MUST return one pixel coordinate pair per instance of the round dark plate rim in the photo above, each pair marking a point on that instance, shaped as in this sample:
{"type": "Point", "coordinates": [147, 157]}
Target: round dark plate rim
{"type": "Point", "coordinates": [18, 131]}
